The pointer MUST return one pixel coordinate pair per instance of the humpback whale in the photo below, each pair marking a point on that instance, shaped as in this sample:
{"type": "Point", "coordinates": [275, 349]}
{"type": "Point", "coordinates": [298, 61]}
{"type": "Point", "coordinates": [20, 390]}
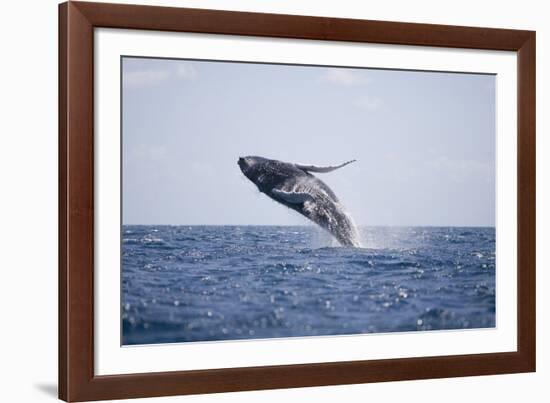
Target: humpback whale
{"type": "Point", "coordinates": [294, 186]}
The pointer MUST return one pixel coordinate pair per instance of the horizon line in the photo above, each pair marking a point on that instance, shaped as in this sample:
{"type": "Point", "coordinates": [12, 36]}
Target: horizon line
{"type": "Point", "coordinates": [307, 225]}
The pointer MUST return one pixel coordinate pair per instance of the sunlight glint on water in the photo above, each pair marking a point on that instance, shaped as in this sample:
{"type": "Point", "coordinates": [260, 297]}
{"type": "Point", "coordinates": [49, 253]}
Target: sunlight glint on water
{"type": "Point", "coordinates": [197, 283]}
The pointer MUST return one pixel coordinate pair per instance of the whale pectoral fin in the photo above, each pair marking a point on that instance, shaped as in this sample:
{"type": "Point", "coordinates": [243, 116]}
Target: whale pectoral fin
{"type": "Point", "coordinates": [315, 168]}
{"type": "Point", "coordinates": [292, 197]}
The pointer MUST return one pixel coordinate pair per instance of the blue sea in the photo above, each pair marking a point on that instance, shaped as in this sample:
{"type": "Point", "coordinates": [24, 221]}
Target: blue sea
{"type": "Point", "coordinates": [205, 283]}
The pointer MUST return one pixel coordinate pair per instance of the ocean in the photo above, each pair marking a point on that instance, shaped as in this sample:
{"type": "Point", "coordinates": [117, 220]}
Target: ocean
{"type": "Point", "coordinates": [207, 283]}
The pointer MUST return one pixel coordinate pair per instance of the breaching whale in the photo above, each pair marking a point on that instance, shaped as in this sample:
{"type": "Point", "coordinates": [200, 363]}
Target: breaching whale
{"type": "Point", "coordinates": [294, 186]}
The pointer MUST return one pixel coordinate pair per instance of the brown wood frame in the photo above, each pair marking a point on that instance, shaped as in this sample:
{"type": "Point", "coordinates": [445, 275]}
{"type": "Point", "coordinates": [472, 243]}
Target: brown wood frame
{"type": "Point", "coordinates": [77, 21]}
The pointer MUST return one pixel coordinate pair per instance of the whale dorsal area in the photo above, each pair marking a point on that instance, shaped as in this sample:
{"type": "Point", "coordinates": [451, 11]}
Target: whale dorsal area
{"type": "Point", "coordinates": [315, 168]}
{"type": "Point", "coordinates": [292, 197]}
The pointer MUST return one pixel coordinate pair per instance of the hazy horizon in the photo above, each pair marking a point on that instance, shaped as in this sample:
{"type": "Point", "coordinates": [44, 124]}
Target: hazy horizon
{"type": "Point", "coordinates": [424, 142]}
{"type": "Point", "coordinates": [306, 225]}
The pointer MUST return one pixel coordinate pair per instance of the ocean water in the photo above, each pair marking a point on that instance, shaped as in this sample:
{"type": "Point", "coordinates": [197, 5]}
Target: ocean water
{"type": "Point", "coordinates": [205, 283]}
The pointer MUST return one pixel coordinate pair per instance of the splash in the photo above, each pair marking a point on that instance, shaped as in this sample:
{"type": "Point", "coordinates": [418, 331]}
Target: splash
{"type": "Point", "coordinates": [353, 231]}
{"type": "Point", "coordinates": [336, 220]}
{"type": "Point", "coordinates": [350, 230]}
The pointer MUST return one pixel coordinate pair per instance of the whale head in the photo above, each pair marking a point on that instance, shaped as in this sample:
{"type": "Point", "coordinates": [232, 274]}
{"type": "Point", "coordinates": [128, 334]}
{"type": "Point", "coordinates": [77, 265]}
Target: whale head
{"type": "Point", "coordinates": [250, 165]}
{"type": "Point", "coordinates": [265, 173]}
{"type": "Point", "coordinates": [253, 167]}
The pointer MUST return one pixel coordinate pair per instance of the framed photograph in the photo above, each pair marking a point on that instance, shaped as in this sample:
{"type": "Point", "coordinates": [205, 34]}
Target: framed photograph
{"type": "Point", "coordinates": [254, 201]}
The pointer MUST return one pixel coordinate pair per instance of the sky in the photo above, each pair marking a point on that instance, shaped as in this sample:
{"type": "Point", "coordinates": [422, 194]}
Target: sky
{"type": "Point", "coordinates": [424, 141]}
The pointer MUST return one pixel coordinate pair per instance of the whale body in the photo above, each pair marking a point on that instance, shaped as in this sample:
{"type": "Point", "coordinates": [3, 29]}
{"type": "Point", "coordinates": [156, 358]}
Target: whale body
{"type": "Point", "coordinates": [294, 186]}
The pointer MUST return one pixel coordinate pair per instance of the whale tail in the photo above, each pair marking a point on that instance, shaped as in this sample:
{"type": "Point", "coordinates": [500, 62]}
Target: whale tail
{"type": "Point", "coordinates": [315, 168]}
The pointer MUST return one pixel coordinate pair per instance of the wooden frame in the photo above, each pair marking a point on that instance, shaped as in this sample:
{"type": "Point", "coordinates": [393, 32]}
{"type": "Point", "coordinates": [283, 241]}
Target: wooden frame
{"type": "Point", "coordinates": [77, 21]}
